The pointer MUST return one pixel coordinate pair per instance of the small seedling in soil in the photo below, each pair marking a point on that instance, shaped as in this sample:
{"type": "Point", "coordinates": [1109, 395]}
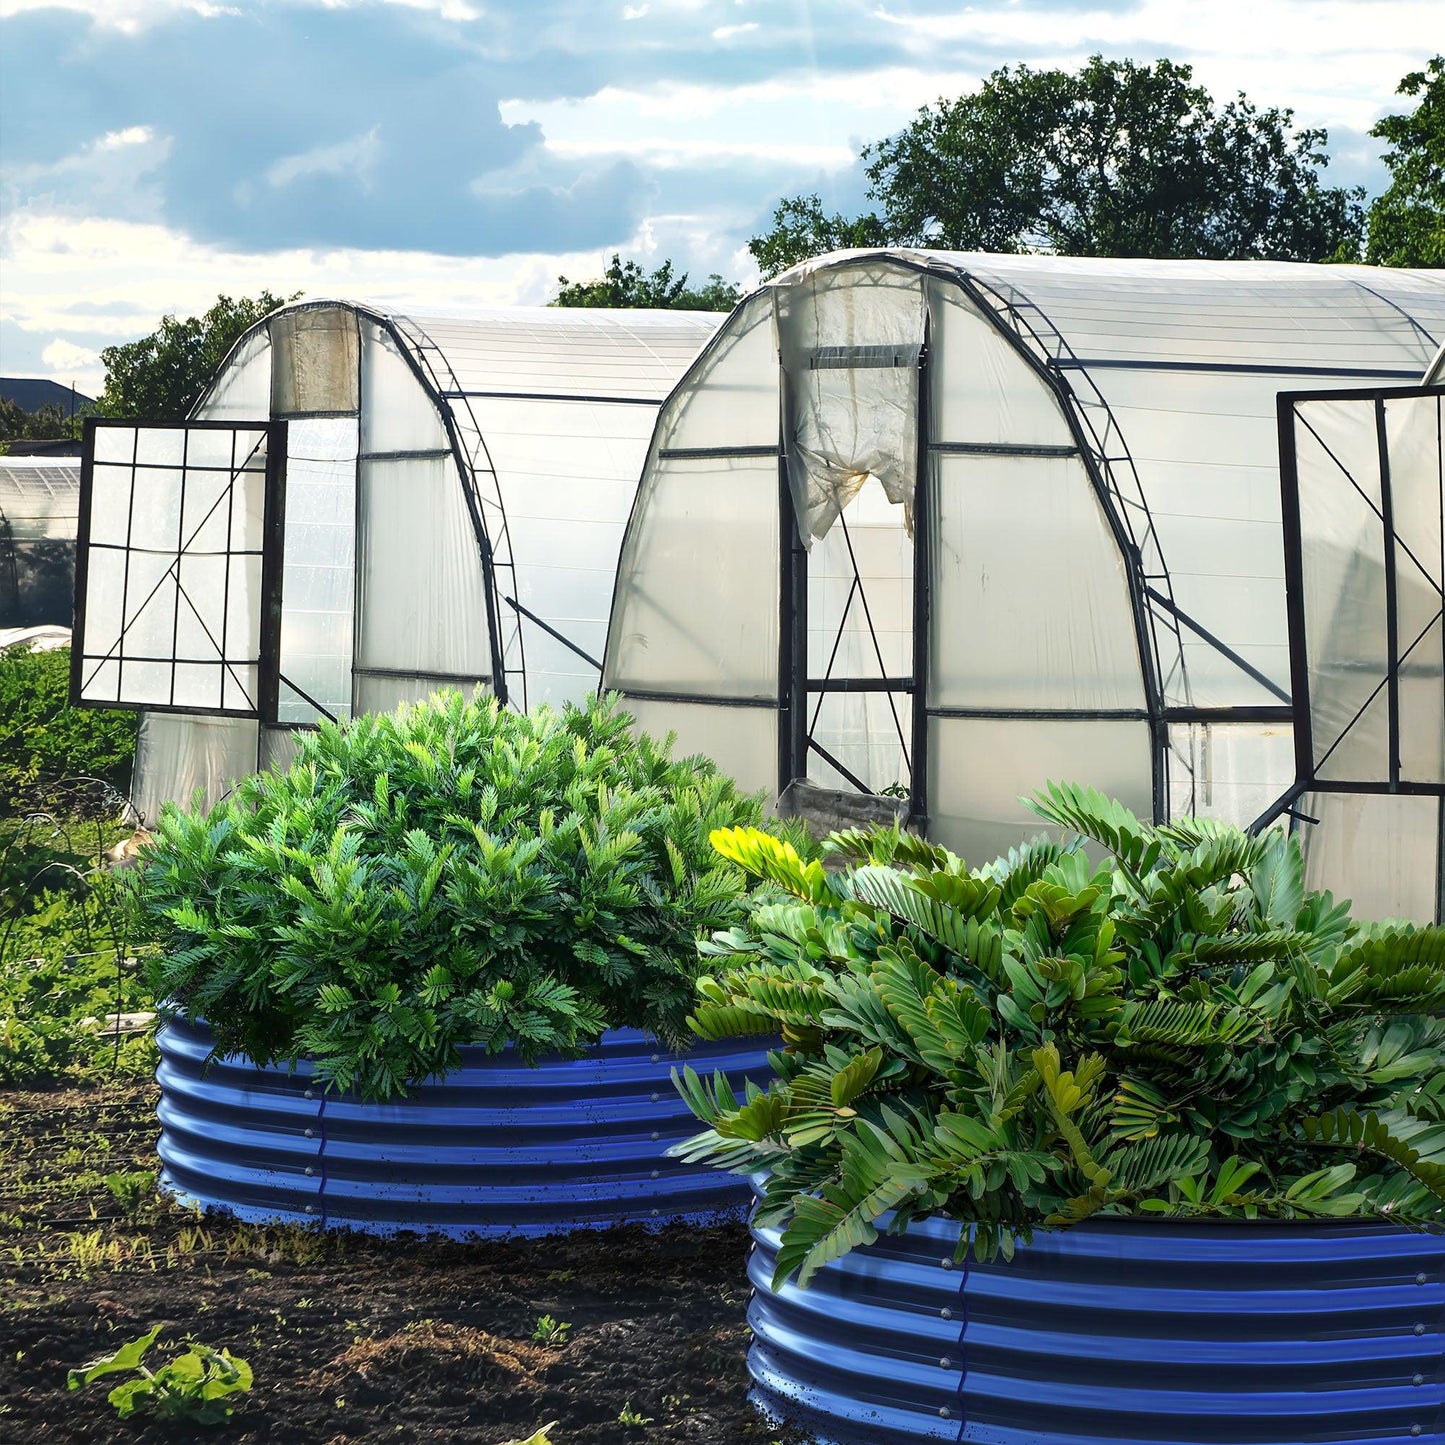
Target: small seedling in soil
{"type": "Point", "coordinates": [542, 1437]}
{"type": "Point", "coordinates": [631, 1417]}
{"type": "Point", "coordinates": [193, 1386]}
{"type": "Point", "coordinates": [132, 1189]}
{"type": "Point", "coordinates": [550, 1331]}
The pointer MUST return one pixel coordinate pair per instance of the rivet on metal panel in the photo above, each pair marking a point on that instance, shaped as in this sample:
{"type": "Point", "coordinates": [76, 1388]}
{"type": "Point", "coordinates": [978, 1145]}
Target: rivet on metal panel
{"type": "Point", "coordinates": [311, 1133]}
{"type": "Point", "coordinates": [1414, 1429]}
{"type": "Point", "coordinates": [1418, 1380]}
{"type": "Point", "coordinates": [311, 1209]}
{"type": "Point", "coordinates": [656, 1098]}
{"type": "Point", "coordinates": [945, 1263]}
{"type": "Point", "coordinates": [657, 1058]}
{"type": "Point", "coordinates": [944, 1413]}
{"type": "Point", "coordinates": [1419, 1329]}
{"type": "Point", "coordinates": [945, 1363]}
{"type": "Point", "coordinates": [656, 1135]}
{"type": "Point", "coordinates": [310, 1170]}
{"type": "Point", "coordinates": [309, 1094]}
{"type": "Point", "coordinates": [945, 1313]}
{"type": "Point", "coordinates": [656, 1212]}
{"type": "Point", "coordinates": [1419, 1279]}
{"type": "Point", "coordinates": [657, 1173]}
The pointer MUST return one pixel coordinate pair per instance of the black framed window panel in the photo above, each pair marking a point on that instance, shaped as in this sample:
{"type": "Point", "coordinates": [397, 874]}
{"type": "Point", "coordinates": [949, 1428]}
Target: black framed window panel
{"type": "Point", "coordinates": [175, 584]}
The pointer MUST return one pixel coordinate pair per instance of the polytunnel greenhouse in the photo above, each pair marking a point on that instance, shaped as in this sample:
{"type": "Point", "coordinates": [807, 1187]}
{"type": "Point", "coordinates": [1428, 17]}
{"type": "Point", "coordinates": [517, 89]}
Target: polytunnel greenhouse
{"type": "Point", "coordinates": [363, 508]}
{"type": "Point", "coordinates": [944, 526]}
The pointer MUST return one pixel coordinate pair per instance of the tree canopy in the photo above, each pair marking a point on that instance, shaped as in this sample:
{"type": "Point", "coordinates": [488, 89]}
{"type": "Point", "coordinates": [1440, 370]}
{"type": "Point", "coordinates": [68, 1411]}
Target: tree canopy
{"type": "Point", "coordinates": [49, 423]}
{"type": "Point", "coordinates": [1116, 159]}
{"type": "Point", "coordinates": [161, 376]}
{"type": "Point", "coordinates": [1407, 222]}
{"type": "Point", "coordinates": [626, 284]}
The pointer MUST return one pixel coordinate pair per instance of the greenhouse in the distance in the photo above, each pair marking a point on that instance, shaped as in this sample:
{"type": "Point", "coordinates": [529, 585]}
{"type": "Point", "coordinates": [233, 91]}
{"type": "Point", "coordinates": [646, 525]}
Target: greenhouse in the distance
{"type": "Point", "coordinates": [364, 508]}
{"type": "Point", "coordinates": [945, 526]}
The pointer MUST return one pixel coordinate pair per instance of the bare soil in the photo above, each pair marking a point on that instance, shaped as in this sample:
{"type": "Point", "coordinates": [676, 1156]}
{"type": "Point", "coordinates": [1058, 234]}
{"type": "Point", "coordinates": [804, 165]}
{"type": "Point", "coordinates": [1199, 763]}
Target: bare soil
{"type": "Point", "coordinates": [351, 1339]}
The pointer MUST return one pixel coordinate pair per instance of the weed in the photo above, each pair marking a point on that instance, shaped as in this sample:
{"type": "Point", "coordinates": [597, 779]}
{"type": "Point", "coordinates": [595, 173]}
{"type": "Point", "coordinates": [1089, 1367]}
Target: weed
{"type": "Point", "coordinates": [632, 1419]}
{"type": "Point", "coordinates": [550, 1331]}
{"type": "Point", "coordinates": [132, 1189]}
{"type": "Point", "coordinates": [193, 1386]}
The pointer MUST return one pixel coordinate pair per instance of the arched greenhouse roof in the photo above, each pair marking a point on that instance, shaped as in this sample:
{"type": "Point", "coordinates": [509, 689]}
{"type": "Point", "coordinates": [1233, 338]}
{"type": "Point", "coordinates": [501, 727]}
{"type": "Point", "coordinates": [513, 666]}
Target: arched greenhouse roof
{"type": "Point", "coordinates": [1103, 584]}
{"type": "Point", "coordinates": [456, 490]}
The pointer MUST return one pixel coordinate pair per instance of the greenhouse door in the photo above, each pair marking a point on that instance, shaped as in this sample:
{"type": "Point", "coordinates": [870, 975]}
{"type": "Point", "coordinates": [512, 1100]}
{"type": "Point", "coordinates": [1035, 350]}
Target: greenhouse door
{"type": "Point", "coordinates": [854, 600]}
{"type": "Point", "coordinates": [177, 580]}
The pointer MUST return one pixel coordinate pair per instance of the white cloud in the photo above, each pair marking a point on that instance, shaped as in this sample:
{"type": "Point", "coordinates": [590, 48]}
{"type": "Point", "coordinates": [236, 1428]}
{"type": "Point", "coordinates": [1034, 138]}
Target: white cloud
{"type": "Point", "coordinates": [355, 157]}
{"type": "Point", "coordinates": [67, 359]}
{"type": "Point", "coordinates": [634, 12]}
{"type": "Point", "coordinates": [132, 135]}
{"type": "Point", "coordinates": [814, 121]}
{"type": "Point", "coordinates": [726, 32]}
{"type": "Point", "coordinates": [1331, 60]}
{"type": "Point", "coordinates": [126, 15]}
{"type": "Point", "coordinates": [133, 15]}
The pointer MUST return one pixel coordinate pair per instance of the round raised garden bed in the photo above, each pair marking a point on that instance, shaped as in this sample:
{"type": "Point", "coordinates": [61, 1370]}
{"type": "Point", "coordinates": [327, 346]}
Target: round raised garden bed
{"type": "Point", "coordinates": [495, 1148]}
{"type": "Point", "coordinates": [1113, 1331]}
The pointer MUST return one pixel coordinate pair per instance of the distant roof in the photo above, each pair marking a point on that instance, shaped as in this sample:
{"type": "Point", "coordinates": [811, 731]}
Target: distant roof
{"type": "Point", "coordinates": [30, 393]}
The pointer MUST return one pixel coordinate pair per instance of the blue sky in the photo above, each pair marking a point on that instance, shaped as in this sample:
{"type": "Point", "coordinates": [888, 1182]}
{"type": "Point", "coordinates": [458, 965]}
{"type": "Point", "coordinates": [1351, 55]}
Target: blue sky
{"type": "Point", "coordinates": [454, 153]}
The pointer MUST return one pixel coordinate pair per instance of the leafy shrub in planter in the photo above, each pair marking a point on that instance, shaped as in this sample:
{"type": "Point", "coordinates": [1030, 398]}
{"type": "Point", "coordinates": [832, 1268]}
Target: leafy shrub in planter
{"type": "Point", "coordinates": [453, 873]}
{"type": "Point", "coordinates": [1183, 1031]}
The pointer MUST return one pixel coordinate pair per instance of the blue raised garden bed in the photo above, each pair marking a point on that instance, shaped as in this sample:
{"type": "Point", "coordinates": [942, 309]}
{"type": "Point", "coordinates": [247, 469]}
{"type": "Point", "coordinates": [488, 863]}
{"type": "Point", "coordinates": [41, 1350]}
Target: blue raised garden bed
{"type": "Point", "coordinates": [1168, 1333]}
{"type": "Point", "coordinates": [495, 1148]}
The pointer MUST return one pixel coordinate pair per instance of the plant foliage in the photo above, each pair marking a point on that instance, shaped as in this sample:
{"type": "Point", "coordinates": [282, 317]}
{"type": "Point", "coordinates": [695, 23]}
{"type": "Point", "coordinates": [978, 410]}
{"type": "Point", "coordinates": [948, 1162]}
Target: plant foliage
{"type": "Point", "coordinates": [1114, 159]}
{"type": "Point", "coordinates": [1183, 1030]}
{"type": "Point", "coordinates": [192, 1387]}
{"type": "Point", "coordinates": [1407, 222]}
{"type": "Point", "coordinates": [453, 873]}
{"type": "Point", "coordinates": [625, 284]}
{"type": "Point", "coordinates": [44, 741]}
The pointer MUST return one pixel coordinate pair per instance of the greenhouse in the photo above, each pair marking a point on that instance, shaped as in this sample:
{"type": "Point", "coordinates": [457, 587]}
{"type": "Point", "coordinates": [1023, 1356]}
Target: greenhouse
{"type": "Point", "coordinates": [364, 508]}
{"type": "Point", "coordinates": [935, 528]}
{"type": "Point", "coordinates": [39, 502]}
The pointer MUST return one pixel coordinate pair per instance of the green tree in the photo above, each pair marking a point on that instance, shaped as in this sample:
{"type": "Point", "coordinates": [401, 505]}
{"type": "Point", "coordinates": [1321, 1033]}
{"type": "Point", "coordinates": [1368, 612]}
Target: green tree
{"type": "Point", "coordinates": [1407, 222]}
{"type": "Point", "coordinates": [802, 229]}
{"type": "Point", "coordinates": [49, 423]}
{"type": "Point", "coordinates": [161, 376]}
{"type": "Point", "coordinates": [1117, 159]}
{"type": "Point", "coordinates": [626, 284]}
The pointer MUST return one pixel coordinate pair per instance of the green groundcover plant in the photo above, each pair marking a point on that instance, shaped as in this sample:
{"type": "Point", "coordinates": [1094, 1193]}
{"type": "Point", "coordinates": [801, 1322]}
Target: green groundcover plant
{"type": "Point", "coordinates": [1183, 1030]}
{"type": "Point", "coordinates": [452, 873]}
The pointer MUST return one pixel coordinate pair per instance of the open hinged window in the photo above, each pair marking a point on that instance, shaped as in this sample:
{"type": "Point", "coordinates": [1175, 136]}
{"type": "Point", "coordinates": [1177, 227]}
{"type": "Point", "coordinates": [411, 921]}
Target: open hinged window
{"type": "Point", "coordinates": [178, 567]}
{"type": "Point", "coordinates": [1363, 487]}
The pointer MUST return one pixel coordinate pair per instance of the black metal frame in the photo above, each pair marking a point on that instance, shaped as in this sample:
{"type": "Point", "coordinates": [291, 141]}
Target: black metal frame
{"type": "Point", "coordinates": [1307, 779]}
{"type": "Point", "coordinates": [796, 729]}
{"type": "Point", "coordinates": [274, 490]}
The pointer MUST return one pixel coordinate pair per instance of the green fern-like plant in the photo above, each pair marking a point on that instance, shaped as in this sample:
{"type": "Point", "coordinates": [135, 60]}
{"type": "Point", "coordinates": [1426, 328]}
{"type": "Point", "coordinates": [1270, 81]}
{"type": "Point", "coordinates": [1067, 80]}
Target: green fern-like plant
{"type": "Point", "coordinates": [1182, 1030]}
{"type": "Point", "coordinates": [450, 874]}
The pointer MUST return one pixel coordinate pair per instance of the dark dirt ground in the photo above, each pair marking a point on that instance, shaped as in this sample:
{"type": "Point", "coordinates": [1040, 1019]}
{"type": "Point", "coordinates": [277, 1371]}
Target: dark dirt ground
{"type": "Point", "coordinates": [351, 1339]}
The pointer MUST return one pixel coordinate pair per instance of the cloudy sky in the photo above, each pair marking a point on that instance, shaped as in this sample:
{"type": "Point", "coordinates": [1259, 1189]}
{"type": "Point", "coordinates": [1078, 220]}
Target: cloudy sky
{"type": "Point", "coordinates": [454, 153]}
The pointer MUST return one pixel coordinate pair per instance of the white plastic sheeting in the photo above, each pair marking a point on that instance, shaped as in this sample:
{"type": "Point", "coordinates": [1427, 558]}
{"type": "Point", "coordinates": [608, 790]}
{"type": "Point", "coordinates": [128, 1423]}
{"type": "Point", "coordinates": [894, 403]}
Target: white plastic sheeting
{"type": "Point", "coordinates": [417, 448]}
{"type": "Point", "coordinates": [1102, 535]}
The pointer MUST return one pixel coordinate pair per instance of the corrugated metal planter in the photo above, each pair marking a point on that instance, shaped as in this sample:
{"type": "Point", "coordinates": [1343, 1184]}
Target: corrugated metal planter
{"type": "Point", "coordinates": [495, 1148]}
{"type": "Point", "coordinates": [1114, 1331]}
